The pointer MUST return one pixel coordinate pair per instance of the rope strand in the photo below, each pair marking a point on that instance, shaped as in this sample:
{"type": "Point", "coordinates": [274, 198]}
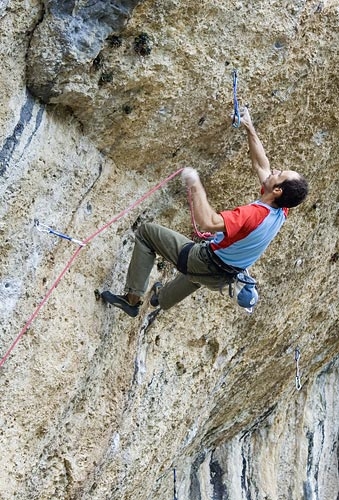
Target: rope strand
{"type": "Point", "coordinates": [44, 300]}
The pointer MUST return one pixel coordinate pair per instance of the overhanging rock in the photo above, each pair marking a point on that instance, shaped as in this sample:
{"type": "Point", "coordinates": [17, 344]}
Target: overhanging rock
{"type": "Point", "coordinates": [71, 34]}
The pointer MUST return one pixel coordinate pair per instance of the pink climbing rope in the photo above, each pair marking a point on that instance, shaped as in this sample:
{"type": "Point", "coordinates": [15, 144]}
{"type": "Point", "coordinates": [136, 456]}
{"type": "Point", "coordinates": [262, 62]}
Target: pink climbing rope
{"type": "Point", "coordinates": [37, 310]}
{"type": "Point", "coordinates": [74, 256]}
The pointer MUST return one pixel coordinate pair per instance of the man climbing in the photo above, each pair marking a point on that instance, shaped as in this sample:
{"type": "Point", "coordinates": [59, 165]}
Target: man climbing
{"type": "Point", "coordinates": [241, 235]}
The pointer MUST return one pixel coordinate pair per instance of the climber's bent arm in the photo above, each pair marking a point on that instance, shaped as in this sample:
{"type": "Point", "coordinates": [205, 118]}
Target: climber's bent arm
{"type": "Point", "coordinates": [207, 218]}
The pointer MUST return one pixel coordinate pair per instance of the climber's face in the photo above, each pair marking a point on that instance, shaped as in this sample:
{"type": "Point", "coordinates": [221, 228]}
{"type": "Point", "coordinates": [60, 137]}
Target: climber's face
{"type": "Point", "coordinates": [277, 177]}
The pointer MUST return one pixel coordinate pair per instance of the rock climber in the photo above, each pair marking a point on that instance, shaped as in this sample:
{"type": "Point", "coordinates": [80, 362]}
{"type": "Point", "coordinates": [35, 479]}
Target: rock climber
{"type": "Point", "coordinates": [240, 235]}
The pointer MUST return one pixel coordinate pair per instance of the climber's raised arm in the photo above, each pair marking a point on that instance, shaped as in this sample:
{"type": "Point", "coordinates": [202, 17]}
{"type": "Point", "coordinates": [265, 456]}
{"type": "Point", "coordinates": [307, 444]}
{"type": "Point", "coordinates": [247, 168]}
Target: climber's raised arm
{"type": "Point", "coordinates": [260, 162]}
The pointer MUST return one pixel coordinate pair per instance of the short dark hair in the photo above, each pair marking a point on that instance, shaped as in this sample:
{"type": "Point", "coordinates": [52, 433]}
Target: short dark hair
{"type": "Point", "coordinates": [294, 192]}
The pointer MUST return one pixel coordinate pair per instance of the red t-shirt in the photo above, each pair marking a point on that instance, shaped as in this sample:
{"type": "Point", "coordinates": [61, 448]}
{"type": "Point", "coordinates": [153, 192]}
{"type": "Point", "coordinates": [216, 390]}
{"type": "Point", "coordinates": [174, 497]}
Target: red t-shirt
{"type": "Point", "coordinates": [249, 230]}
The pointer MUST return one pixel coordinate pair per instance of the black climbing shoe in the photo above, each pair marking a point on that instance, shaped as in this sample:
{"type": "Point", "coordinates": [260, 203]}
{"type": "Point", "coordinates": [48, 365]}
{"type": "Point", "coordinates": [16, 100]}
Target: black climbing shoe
{"type": "Point", "coordinates": [154, 300]}
{"type": "Point", "coordinates": [121, 301]}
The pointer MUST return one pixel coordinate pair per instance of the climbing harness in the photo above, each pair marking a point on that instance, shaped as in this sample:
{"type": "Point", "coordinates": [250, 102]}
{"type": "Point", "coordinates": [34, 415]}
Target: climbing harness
{"type": "Point", "coordinates": [236, 111]}
{"type": "Point", "coordinates": [74, 256]}
{"type": "Point", "coordinates": [183, 257]}
{"type": "Point", "coordinates": [46, 229]}
{"type": "Point", "coordinates": [297, 371]}
{"type": "Point", "coordinates": [175, 497]}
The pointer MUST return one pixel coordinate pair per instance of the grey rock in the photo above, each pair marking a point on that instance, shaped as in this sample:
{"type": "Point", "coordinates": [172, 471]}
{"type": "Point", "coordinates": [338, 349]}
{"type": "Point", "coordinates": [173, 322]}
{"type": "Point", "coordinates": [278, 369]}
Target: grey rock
{"type": "Point", "coordinates": [71, 34]}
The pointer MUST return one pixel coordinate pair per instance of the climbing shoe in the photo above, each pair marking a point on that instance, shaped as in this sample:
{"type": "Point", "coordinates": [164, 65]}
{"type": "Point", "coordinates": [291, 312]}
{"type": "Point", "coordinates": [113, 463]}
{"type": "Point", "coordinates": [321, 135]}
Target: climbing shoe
{"type": "Point", "coordinates": [154, 300]}
{"type": "Point", "coordinates": [121, 301]}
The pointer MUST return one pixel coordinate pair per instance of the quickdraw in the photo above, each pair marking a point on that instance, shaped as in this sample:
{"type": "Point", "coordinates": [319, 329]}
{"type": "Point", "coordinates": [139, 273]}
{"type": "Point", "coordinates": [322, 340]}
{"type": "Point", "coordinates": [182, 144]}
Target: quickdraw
{"type": "Point", "coordinates": [297, 355]}
{"type": "Point", "coordinates": [236, 111]}
{"type": "Point", "coordinates": [46, 229]}
{"type": "Point", "coordinates": [175, 485]}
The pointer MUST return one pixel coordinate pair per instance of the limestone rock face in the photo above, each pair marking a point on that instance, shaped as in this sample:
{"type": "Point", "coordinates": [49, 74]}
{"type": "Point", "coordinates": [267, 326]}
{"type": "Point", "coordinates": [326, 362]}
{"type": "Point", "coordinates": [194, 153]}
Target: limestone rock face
{"type": "Point", "coordinates": [100, 102]}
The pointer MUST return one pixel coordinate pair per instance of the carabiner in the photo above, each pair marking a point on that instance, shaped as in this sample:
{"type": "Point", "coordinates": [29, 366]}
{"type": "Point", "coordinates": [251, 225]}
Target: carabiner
{"type": "Point", "coordinates": [236, 111]}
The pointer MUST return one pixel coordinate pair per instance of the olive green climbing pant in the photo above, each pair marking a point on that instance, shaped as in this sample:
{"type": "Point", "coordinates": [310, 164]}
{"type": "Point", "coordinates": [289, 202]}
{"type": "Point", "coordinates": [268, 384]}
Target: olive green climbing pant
{"type": "Point", "coordinates": [152, 239]}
